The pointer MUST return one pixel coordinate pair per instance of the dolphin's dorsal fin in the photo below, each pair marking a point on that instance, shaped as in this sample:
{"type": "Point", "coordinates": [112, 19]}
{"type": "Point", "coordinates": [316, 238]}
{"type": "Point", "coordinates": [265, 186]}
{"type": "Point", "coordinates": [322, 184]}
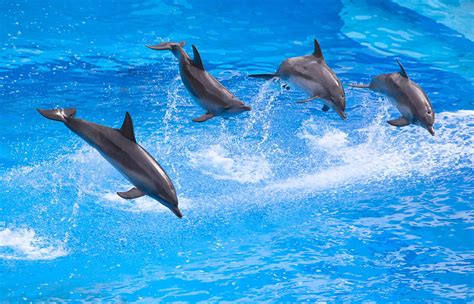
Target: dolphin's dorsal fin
{"type": "Point", "coordinates": [402, 70]}
{"type": "Point", "coordinates": [317, 50]}
{"type": "Point", "coordinates": [127, 128]}
{"type": "Point", "coordinates": [197, 58]}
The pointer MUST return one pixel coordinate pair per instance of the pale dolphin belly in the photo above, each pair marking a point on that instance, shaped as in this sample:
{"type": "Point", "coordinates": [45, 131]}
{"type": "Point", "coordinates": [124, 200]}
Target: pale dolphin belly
{"type": "Point", "coordinates": [404, 109]}
{"type": "Point", "coordinates": [309, 86]}
{"type": "Point", "coordinates": [208, 104]}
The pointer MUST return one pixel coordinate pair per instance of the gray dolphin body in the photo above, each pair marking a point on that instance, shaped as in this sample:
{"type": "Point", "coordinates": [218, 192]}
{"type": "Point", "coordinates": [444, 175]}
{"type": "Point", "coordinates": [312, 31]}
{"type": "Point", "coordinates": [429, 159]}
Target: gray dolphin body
{"type": "Point", "coordinates": [119, 147]}
{"type": "Point", "coordinates": [209, 93]}
{"type": "Point", "coordinates": [311, 74]}
{"type": "Point", "coordinates": [410, 100]}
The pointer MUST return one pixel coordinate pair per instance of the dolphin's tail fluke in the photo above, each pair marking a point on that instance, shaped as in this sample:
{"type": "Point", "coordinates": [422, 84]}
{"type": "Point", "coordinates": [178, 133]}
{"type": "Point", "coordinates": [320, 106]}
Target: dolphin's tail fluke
{"type": "Point", "coordinates": [166, 46]}
{"type": "Point", "coordinates": [58, 114]}
{"type": "Point", "coordinates": [263, 76]}
{"type": "Point", "coordinates": [362, 86]}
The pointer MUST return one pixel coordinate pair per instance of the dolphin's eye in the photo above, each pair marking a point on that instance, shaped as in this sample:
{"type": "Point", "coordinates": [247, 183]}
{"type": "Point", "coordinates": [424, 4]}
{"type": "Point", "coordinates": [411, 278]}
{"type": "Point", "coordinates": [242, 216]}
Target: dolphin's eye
{"type": "Point", "coordinates": [429, 112]}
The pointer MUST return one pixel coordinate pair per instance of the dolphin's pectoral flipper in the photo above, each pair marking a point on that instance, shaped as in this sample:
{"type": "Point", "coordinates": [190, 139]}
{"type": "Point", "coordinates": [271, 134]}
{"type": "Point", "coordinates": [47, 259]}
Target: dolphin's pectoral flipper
{"type": "Point", "coordinates": [401, 122]}
{"type": "Point", "coordinates": [204, 117]}
{"type": "Point", "coordinates": [131, 194]}
{"type": "Point", "coordinates": [263, 76]}
{"type": "Point", "coordinates": [127, 128]}
{"type": "Point", "coordinates": [58, 114]}
{"type": "Point", "coordinates": [197, 58]}
{"type": "Point", "coordinates": [309, 99]}
{"type": "Point", "coordinates": [325, 108]}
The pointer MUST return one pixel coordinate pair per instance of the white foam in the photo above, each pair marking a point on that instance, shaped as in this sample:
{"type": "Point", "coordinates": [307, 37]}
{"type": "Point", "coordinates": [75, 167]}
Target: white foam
{"type": "Point", "coordinates": [330, 140]}
{"type": "Point", "coordinates": [385, 153]}
{"type": "Point", "coordinates": [217, 162]}
{"type": "Point", "coordinates": [24, 244]}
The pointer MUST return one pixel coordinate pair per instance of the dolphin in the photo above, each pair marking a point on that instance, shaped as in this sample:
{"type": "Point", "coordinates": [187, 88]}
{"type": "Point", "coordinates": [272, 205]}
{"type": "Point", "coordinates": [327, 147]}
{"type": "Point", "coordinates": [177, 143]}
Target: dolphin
{"type": "Point", "coordinates": [311, 74]}
{"type": "Point", "coordinates": [119, 147]}
{"type": "Point", "coordinates": [209, 93]}
{"type": "Point", "coordinates": [410, 100]}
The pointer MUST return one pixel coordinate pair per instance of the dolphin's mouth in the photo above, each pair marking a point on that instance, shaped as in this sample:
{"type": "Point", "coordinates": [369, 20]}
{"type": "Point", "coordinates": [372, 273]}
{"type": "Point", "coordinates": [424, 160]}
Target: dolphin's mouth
{"type": "Point", "coordinates": [176, 211]}
{"type": "Point", "coordinates": [431, 130]}
{"type": "Point", "coordinates": [342, 114]}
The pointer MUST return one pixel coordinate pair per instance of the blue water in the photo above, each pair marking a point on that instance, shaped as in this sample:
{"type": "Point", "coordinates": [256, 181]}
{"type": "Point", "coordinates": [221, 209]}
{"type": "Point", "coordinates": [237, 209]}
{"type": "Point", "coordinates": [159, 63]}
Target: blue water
{"type": "Point", "coordinates": [283, 203]}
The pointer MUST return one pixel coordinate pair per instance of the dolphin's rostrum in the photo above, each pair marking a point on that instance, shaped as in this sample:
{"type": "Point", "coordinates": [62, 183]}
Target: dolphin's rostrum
{"type": "Point", "coordinates": [119, 147]}
{"type": "Point", "coordinates": [410, 100]}
{"type": "Point", "coordinates": [311, 74]}
{"type": "Point", "coordinates": [209, 93]}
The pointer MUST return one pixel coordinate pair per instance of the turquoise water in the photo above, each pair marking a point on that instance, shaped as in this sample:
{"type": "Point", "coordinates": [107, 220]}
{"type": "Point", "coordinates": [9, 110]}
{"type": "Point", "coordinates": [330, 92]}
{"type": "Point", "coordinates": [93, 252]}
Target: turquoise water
{"type": "Point", "coordinates": [283, 203]}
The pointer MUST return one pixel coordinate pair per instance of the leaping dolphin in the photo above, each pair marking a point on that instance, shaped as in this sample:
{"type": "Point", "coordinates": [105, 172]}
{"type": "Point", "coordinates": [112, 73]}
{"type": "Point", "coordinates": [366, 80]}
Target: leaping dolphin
{"type": "Point", "coordinates": [119, 147]}
{"type": "Point", "coordinates": [311, 74]}
{"type": "Point", "coordinates": [410, 100]}
{"type": "Point", "coordinates": [209, 93]}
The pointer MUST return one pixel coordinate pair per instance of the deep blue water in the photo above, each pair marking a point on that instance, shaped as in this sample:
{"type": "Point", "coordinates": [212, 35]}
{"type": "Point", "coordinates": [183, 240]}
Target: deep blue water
{"type": "Point", "coordinates": [283, 203]}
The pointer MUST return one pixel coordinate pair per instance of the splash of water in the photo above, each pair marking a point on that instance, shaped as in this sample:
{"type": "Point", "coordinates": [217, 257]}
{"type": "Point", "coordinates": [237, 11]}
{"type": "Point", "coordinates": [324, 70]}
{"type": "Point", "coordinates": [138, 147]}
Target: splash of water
{"type": "Point", "coordinates": [262, 105]}
{"type": "Point", "coordinates": [385, 153]}
{"type": "Point", "coordinates": [24, 244]}
{"type": "Point", "coordinates": [218, 163]}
